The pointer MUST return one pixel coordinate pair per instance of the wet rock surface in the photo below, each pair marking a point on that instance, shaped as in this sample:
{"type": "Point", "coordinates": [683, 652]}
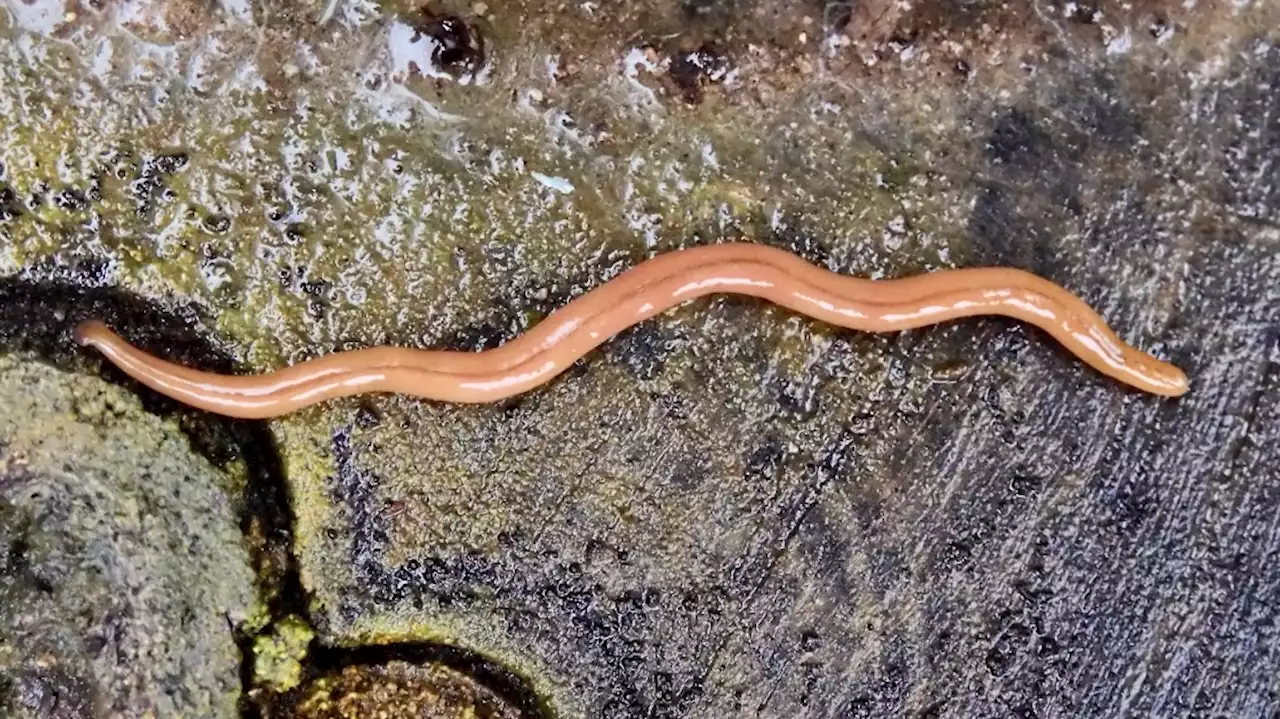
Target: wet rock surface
{"type": "Point", "coordinates": [121, 564]}
{"type": "Point", "coordinates": [727, 510]}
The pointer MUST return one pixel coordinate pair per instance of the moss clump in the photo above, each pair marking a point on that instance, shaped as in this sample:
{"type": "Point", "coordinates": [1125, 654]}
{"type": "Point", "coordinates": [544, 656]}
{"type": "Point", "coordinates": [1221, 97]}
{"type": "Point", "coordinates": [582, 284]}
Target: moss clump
{"type": "Point", "coordinates": [278, 656]}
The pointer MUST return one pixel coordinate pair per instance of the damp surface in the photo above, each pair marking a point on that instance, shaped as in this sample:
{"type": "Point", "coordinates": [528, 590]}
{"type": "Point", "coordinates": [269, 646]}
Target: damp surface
{"type": "Point", "coordinates": [728, 509]}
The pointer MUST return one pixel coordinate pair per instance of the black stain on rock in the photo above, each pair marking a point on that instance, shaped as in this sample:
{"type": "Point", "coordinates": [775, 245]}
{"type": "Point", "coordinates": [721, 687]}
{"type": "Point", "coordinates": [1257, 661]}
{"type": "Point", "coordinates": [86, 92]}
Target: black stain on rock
{"type": "Point", "coordinates": [799, 398]}
{"type": "Point", "coordinates": [37, 197]}
{"type": "Point", "coordinates": [320, 289]}
{"type": "Point", "coordinates": [692, 70]}
{"type": "Point", "coordinates": [458, 47]}
{"type": "Point", "coordinates": [1030, 167]}
{"type": "Point", "coordinates": [997, 228]}
{"type": "Point", "coordinates": [766, 461]}
{"type": "Point", "coordinates": [1039, 159]}
{"type": "Point", "coordinates": [149, 186]}
{"type": "Point", "coordinates": [690, 473]}
{"type": "Point", "coordinates": [1105, 118]}
{"type": "Point", "coordinates": [1083, 13]}
{"type": "Point", "coordinates": [10, 207]}
{"type": "Point", "coordinates": [485, 335]}
{"type": "Point", "coordinates": [217, 224]}
{"type": "Point", "coordinates": [800, 242]}
{"type": "Point", "coordinates": [294, 234]}
{"type": "Point", "coordinates": [356, 489]}
{"type": "Point", "coordinates": [698, 8]}
{"type": "Point", "coordinates": [1016, 141]}
{"type": "Point", "coordinates": [53, 690]}
{"type": "Point", "coordinates": [70, 199]}
{"type": "Point", "coordinates": [93, 192]}
{"type": "Point", "coordinates": [642, 349]}
{"type": "Point", "coordinates": [835, 14]}
{"type": "Point", "coordinates": [615, 627]}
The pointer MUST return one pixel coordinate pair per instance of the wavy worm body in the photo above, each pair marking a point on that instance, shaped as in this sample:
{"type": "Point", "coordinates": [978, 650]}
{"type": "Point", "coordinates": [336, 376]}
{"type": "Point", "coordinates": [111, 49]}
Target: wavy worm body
{"type": "Point", "coordinates": [648, 289]}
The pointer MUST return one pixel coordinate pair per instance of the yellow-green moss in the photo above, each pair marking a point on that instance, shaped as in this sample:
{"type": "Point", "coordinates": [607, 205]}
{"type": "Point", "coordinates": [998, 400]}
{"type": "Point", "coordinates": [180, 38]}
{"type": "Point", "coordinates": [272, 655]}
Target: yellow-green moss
{"type": "Point", "coordinates": [278, 656]}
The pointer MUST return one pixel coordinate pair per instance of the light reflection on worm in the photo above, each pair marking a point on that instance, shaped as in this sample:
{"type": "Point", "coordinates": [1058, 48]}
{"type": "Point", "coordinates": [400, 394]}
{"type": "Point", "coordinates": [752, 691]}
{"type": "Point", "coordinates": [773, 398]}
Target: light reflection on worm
{"type": "Point", "coordinates": [648, 289]}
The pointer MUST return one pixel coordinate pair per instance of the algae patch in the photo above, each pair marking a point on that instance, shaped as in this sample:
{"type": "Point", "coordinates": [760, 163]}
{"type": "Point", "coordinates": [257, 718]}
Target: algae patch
{"type": "Point", "coordinates": [278, 656]}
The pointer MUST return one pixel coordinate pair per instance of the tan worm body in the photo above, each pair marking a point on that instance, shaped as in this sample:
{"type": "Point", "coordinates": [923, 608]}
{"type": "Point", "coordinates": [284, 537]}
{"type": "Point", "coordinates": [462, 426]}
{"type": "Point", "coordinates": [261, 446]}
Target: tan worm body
{"type": "Point", "coordinates": [646, 290]}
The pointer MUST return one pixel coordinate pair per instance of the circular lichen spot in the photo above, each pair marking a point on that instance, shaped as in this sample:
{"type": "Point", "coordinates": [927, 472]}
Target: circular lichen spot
{"type": "Point", "coordinates": [397, 688]}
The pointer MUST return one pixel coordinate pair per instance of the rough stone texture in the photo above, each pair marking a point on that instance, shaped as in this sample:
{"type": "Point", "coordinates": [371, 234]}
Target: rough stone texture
{"type": "Point", "coordinates": [121, 565]}
{"type": "Point", "coordinates": [728, 510]}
